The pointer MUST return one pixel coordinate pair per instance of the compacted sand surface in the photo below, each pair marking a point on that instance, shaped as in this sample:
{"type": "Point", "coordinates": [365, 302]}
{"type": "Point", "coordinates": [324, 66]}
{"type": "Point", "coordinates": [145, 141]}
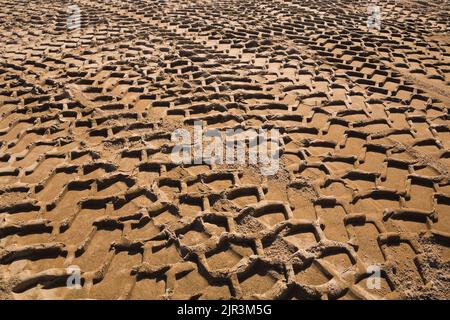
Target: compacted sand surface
{"type": "Point", "coordinates": [87, 181]}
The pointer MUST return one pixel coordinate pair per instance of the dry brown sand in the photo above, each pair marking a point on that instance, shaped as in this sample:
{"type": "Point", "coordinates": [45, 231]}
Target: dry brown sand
{"type": "Point", "coordinates": [86, 177]}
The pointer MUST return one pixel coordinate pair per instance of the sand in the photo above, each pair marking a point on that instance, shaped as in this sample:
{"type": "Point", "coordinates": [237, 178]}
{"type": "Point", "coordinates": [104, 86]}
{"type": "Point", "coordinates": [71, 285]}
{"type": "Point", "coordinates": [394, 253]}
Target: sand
{"type": "Point", "coordinates": [86, 177]}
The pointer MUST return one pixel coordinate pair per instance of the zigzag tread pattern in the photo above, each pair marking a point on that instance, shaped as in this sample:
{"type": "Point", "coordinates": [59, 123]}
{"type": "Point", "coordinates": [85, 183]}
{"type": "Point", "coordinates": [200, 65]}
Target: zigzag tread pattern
{"type": "Point", "coordinates": [86, 176]}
